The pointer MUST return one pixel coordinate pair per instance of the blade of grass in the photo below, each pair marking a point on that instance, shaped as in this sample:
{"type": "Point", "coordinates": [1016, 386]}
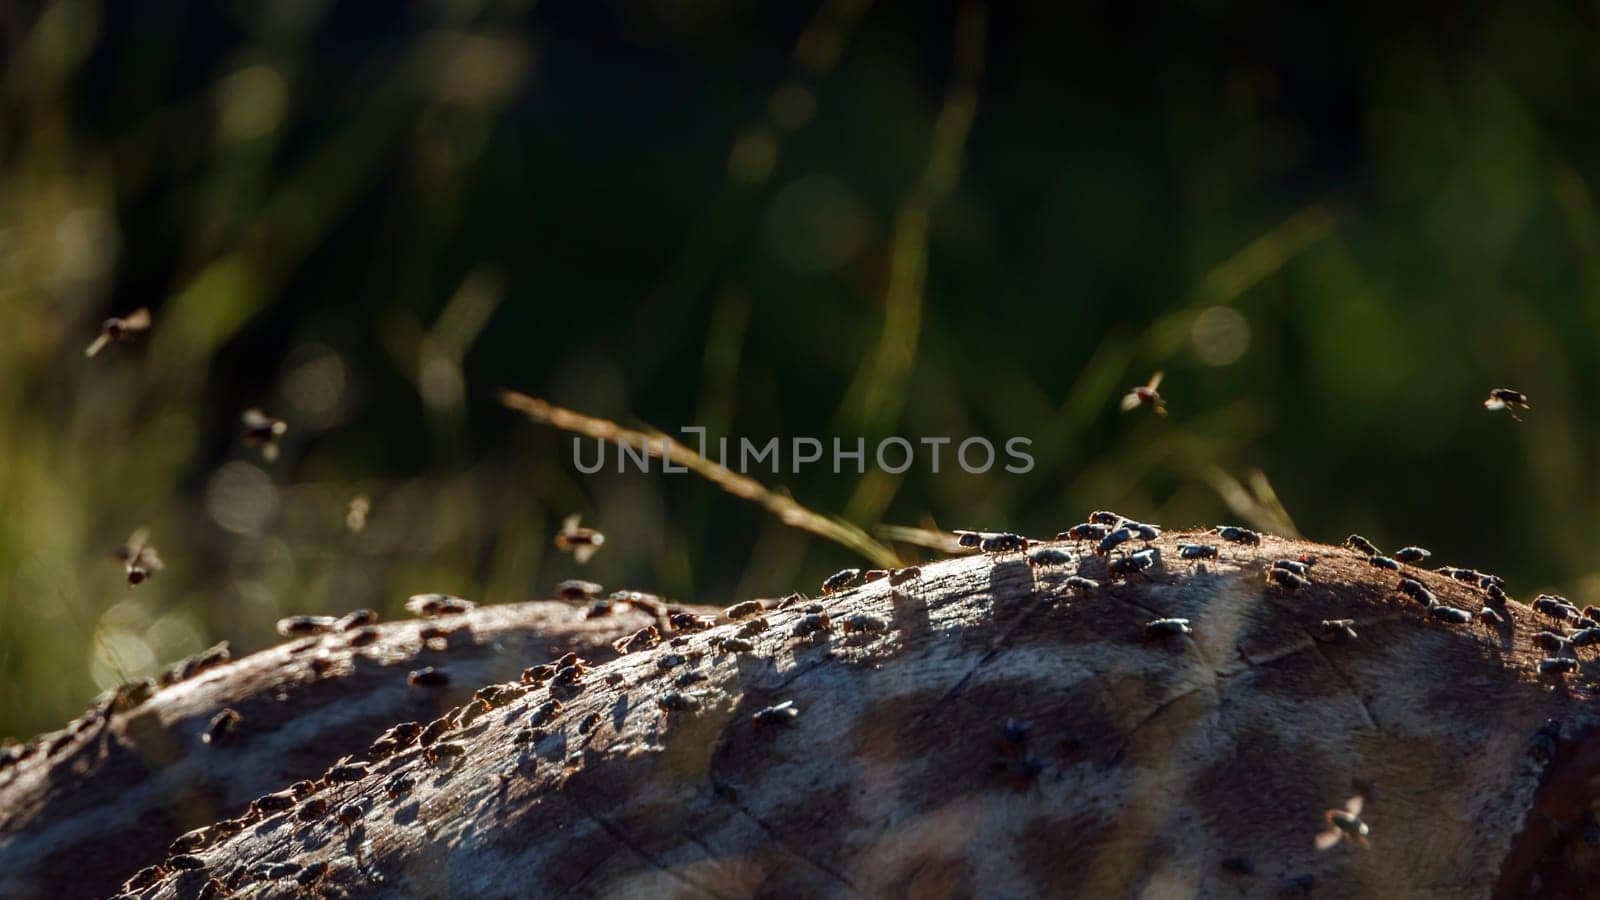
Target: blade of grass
{"type": "Point", "coordinates": [1257, 504]}
{"type": "Point", "coordinates": [919, 537]}
{"type": "Point", "coordinates": [873, 402]}
{"type": "Point", "coordinates": [786, 508]}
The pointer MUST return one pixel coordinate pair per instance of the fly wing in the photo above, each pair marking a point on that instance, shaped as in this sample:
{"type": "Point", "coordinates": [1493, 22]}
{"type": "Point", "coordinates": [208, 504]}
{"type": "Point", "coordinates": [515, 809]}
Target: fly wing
{"type": "Point", "coordinates": [1155, 380]}
{"type": "Point", "coordinates": [570, 523]}
{"type": "Point", "coordinates": [1353, 806]}
{"type": "Point", "coordinates": [133, 546]}
{"type": "Point", "coordinates": [582, 552]}
{"type": "Point", "coordinates": [1327, 838]}
{"type": "Point", "coordinates": [1494, 403]}
{"type": "Point", "coordinates": [138, 320]}
{"type": "Point", "coordinates": [254, 419]}
{"type": "Point", "coordinates": [98, 345]}
{"type": "Point", "coordinates": [1130, 401]}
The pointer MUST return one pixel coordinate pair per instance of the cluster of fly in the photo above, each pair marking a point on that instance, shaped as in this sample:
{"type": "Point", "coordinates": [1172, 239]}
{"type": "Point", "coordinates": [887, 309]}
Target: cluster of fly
{"type": "Point", "coordinates": [1492, 585]}
{"type": "Point", "coordinates": [1413, 588]}
{"type": "Point", "coordinates": [570, 670]}
{"type": "Point", "coordinates": [1473, 577]}
{"type": "Point", "coordinates": [281, 801]}
{"type": "Point", "coordinates": [991, 541]}
{"type": "Point", "coordinates": [1557, 642]}
{"type": "Point", "coordinates": [1114, 539]}
{"type": "Point", "coordinates": [1417, 591]}
{"type": "Point", "coordinates": [1003, 542]}
{"type": "Point", "coordinates": [1109, 530]}
{"type": "Point", "coordinates": [1556, 607]}
{"type": "Point", "coordinates": [433, 605]}
{"type": "Point", "coordinates": [203, 661]}
{"type": "Point", "coordinates": [498, 695]}
{"type": "Point", "coordinates": [397, 738]}
{"type": "Point", "coordinates": [1084, 531]}
{"type": "Point", "coordinates": [300, 626]}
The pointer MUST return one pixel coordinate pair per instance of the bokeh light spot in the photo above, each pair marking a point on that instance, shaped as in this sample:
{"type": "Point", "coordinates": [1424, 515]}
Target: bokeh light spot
{"type": "Point", "coordinates": [816, 224]}
{"type": "Point", "coordinates": [1220, 335]}
{"type": "Point", "coordinates": [754, 154]}
{"type": "Point", "coordinates": [251, 103]}
{"type": "Point", "coordinates": [792, 106]}
{"type": "Point", "coordinates": [241, 498]}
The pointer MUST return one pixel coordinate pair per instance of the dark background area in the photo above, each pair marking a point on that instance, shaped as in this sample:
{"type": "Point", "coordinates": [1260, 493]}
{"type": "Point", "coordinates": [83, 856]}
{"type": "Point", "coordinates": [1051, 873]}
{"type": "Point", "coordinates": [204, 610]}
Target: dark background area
{"type": "Point", "coordinates": [1334, 230]}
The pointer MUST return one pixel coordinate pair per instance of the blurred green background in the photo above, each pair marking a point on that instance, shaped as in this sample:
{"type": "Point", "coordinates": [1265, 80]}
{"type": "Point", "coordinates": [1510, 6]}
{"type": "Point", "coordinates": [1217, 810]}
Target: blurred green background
{"type": "Point", "coordinates": [1334, 230]}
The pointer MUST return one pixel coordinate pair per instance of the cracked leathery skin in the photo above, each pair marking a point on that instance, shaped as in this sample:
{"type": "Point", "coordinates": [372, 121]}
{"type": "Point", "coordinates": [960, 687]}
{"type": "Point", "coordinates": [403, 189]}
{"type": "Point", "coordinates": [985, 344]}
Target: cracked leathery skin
{"type": "Point", "coordinates": [1004, 736]}
{"type": "Point", "coordinates": [117, 790]}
